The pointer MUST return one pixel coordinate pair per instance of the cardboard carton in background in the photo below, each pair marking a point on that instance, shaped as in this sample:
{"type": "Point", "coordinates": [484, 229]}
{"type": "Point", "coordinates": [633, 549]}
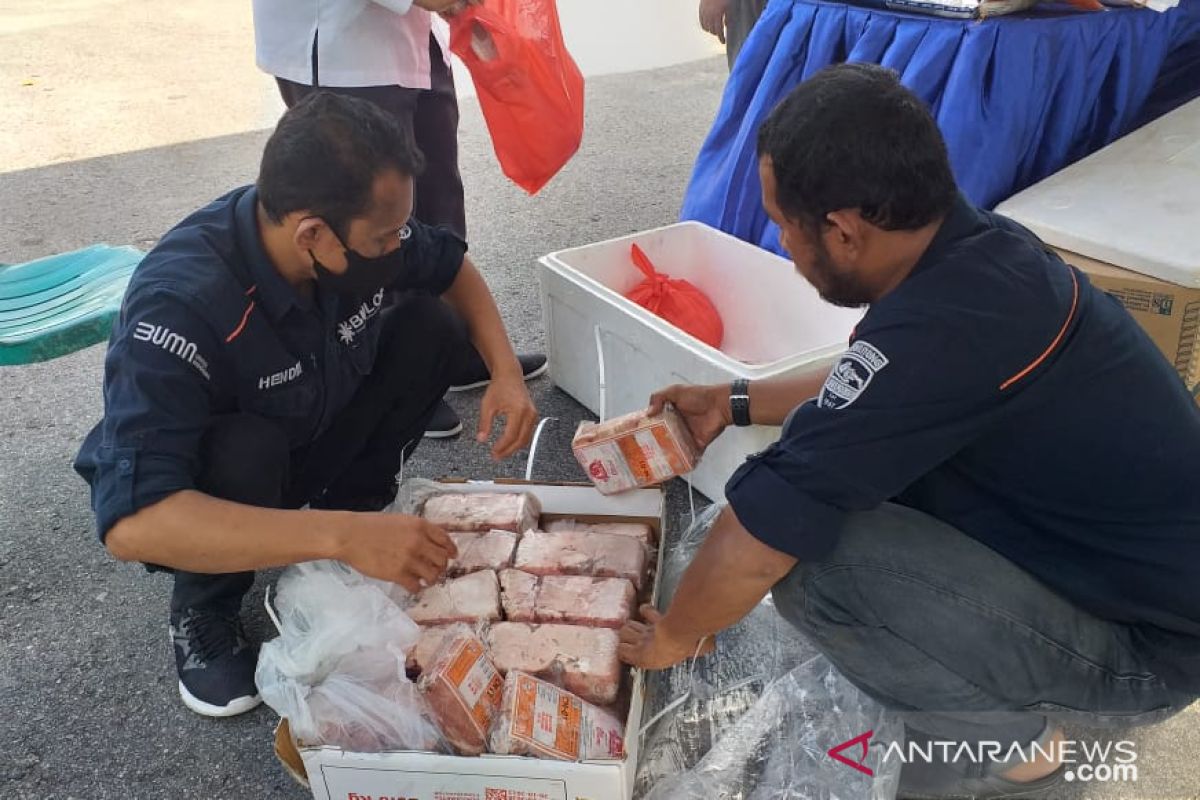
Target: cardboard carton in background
{"type": "Point", "coordinates": [1169, 313]}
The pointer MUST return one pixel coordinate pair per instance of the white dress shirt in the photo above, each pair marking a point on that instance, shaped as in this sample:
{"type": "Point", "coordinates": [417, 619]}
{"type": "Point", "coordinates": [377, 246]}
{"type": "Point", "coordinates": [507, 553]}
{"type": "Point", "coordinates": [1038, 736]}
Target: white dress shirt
{"type": "Point", "coordinates": [359, 42]}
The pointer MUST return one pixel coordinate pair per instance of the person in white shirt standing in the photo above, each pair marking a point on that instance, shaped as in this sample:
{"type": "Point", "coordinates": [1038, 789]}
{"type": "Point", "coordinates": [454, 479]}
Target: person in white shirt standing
{"type": "Point", "coordinates": [731, 22]}
{"type": "Point", "coordinates": [393, 53]}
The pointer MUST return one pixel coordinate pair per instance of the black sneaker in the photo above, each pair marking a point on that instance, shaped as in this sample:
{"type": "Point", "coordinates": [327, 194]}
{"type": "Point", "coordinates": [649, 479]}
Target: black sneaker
{"type": "Point", "coordinates": [214, 661]}
{"type": "Point", "coordinates": [444, 424]}
{"type": "Point", "coordinates": [476, 374]}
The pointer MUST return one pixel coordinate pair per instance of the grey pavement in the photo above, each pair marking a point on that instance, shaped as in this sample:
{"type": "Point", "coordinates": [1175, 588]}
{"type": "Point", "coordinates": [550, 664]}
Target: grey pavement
{"type": "Point", "coordinates": [88, 706]}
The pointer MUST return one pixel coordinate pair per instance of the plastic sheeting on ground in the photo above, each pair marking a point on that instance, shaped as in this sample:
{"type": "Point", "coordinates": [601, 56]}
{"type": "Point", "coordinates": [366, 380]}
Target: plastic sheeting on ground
{"type": "Point", "coordinates": [755, 720]}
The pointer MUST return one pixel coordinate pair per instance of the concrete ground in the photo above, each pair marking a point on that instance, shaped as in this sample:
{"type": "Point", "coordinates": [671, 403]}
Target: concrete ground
{"type": "Point", "coordinates": [110, 135]}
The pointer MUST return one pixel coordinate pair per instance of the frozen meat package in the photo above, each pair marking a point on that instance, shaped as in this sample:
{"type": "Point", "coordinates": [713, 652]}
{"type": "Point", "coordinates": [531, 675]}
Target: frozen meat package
{"type": "Point", "coordinates": [567, 599]}
{"type": "Point", "coordinates": [483, 511]}
{"type": "Point", "coordinates": [635, 450]}
{"type": "Point", "coordinates": [600, 555]}
{"type": "Point", "coordinates": [581, 660]}
{"type": "Point", "coordinates": [463, 692]}
{"type": "Point", "coordinates": [471, 598]}
{"type": "Point", "coordinates": [539, 719]}
{"type": "Point", "coordinates": [479, 551]}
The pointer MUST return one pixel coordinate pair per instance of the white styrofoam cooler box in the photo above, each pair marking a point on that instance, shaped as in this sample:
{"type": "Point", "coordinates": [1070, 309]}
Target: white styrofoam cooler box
{"type": "Point", "coordinates": [775, 325]}
{"type": "Point", "coordinates": [1134, 204]}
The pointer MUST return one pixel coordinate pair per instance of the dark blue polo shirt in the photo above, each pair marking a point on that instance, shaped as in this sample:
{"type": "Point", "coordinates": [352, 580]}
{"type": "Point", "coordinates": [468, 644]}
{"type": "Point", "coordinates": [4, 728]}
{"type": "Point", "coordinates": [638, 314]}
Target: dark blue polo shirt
{"type": "Point", "coordinates": [208, 326]}
{"type": "Point", "coordinates": [999, 391]}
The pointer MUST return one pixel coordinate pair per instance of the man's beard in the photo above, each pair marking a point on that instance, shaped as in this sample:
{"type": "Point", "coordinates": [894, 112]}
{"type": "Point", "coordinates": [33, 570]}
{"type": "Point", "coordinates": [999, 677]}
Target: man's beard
{"type": "Point", "coordinates": [836, 287]}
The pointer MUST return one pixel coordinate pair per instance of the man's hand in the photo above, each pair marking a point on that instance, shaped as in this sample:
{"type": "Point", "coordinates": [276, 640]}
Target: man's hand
{"type": "Point", "coordinates": [705, 409]}
{"type": "Point", "coordinates": [507, 396]}
{"type": "Point", "coordinates": [649, 645]}
{"type": "Point", "coordinates": [712, 17]}
{"type": "Point", "coordinates": [396, 547]}
{"type": "Point", "coordinates": [447, 7]}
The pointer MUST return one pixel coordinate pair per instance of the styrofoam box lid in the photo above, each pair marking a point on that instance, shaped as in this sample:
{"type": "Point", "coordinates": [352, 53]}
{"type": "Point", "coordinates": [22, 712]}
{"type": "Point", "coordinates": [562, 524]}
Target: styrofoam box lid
{"type": "Point", "coordinates": [1134, 204]}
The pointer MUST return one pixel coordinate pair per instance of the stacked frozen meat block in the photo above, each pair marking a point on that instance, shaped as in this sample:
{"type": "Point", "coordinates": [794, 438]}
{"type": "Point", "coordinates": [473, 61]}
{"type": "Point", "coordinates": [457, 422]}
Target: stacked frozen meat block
{"type": "Point", "coordinates": [546, 602]}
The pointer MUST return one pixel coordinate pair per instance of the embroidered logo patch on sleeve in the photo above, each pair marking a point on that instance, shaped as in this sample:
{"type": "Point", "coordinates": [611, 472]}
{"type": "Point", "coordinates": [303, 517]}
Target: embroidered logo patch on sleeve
{"type": "Point", "coordinates": [852, 375]}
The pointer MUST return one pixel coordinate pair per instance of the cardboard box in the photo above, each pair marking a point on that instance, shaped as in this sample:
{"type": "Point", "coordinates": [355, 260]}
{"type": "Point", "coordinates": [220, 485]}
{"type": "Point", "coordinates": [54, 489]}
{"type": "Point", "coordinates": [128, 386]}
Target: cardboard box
{"type": "Point", "coordinates": [335, 774]}
{"type": "Point", "coordinates": [1169, 313]}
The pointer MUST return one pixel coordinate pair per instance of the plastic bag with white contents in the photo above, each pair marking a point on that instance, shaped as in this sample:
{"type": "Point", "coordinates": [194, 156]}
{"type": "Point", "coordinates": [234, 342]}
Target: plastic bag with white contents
{"type": "Point", "coordinates": [336, 671]}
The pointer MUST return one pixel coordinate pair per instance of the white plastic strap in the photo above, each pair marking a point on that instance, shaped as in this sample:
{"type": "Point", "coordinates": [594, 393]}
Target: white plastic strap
{"type": "Point", "coordinates": [678, 701]}
{"type": "Point", "coordinates": [537, 437]}
{"type": "Point", "coordinates": [271, 611]}
{"type": "Point", "coordinates": [600, 373]}
{"type": "Point", "coordinates": [404, 460]}
{"type": "Point", "coordinates": [691, 497]}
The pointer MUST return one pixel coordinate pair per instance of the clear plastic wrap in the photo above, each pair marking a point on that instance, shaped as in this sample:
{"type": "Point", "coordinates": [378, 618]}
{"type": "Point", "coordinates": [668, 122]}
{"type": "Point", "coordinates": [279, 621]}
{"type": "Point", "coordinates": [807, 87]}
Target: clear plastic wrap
{"type": "Point", "coordinates": [337, 669]}
{"type": "Point", "coordinates": [755, 720]}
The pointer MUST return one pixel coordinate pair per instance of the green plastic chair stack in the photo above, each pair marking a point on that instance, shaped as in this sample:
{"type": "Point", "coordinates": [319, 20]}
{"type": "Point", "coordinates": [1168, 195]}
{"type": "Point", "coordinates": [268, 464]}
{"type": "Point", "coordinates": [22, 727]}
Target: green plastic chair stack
{"type": "Point", "coordinates": [62, 303]}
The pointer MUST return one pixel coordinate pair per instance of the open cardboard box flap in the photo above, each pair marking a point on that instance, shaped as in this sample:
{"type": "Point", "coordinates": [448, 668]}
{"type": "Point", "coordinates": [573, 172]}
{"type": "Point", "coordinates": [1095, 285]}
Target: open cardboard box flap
{"type": "Point", "coordinates": [288, 755]}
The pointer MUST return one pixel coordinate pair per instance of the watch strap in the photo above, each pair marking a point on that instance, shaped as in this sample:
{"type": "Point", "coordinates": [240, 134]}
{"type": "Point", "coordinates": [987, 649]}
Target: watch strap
{"type": "Point", "coordinates": [739, 402]}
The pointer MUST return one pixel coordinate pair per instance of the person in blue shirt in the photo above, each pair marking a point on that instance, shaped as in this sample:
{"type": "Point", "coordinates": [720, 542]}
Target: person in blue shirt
{"type": "Point", "coordinates": [283, 347]}
{"type": "Point", "coordinates": [984, 516]}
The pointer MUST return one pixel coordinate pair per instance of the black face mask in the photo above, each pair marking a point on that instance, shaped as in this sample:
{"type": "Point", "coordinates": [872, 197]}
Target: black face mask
{"type": "Point", "coordinates": [363, 276]}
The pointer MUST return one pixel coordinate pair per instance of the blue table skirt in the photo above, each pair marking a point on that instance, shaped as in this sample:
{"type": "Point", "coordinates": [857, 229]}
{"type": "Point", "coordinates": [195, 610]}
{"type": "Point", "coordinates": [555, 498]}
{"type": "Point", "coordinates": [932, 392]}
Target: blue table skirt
{"type": "Point", "coordinates": [1017, 98]}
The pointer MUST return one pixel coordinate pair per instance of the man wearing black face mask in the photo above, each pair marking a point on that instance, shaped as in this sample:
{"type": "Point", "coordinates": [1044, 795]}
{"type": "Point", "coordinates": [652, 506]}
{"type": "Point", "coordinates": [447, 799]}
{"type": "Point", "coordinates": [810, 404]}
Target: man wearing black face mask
{"type": "Point", "coordinates": [262, 362]}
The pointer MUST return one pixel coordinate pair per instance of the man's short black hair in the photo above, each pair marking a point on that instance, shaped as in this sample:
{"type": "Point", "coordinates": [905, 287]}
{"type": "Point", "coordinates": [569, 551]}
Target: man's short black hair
{"type": "Point", "coordinates": [325, 154]}
{"type": "Point", "coordinates": [853, 136]}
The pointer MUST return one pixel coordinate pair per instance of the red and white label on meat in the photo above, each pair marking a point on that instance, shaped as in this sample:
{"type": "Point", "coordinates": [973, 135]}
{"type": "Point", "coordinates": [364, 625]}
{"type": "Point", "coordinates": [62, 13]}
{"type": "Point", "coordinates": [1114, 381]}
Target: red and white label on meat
{"type": "Point", "coordinates": [567, 599]}
{"type": "Point", "coordinates": [463, 691]}
{"type": "Point", "coordinates": [635, 450]}
{"type": "Point", "coordinates": [539, 719]}
{"type": "Point", "coordinates": [483, 511]}
{"type": "Point", "coordinates": [579, 659]}
{"type": "Point", "coordinates": [601, 555]}
{"type": "Point", "coordinates": [470, 598]}
{"type": "Point", "coordinates": [476, 551]}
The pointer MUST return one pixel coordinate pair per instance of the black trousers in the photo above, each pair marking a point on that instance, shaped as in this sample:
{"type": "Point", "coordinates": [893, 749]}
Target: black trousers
{"type": "Point", "coordinates": [432, 117]}
{"type": "Point", "coordinates": [352, 465]}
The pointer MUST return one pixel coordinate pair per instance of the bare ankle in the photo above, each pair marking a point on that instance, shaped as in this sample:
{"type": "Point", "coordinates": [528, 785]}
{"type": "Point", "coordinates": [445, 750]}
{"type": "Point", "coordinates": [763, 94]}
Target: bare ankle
{"type": "Point", "coordinates": [1045, 760]}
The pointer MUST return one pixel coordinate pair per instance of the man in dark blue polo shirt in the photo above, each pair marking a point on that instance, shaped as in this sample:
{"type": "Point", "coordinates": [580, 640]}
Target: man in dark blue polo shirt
{"type": "Point", "coordinates": [985, 516]}
{"type": "Point", "coordinates": [286, 346]}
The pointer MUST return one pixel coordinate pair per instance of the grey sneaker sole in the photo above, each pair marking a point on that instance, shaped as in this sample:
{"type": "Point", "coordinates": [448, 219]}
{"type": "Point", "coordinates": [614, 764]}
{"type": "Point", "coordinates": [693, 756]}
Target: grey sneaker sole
{"type": "Point", "coordinates": [449, 433]}
{"type": "Point", "coordinates": [466, 387]}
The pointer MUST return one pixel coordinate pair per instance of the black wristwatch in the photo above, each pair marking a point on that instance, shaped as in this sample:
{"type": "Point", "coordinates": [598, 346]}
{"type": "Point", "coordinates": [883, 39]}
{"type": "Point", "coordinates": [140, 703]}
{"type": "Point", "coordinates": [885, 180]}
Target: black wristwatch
{"type": "Point", "coordinates": [739, 402]}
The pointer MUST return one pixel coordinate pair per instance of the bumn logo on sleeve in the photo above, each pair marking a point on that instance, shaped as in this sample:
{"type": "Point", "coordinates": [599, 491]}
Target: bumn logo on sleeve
{"type": "Point", "coordinates": [173, 343]}
{"type": "Point", "coordinates": [853, 373]}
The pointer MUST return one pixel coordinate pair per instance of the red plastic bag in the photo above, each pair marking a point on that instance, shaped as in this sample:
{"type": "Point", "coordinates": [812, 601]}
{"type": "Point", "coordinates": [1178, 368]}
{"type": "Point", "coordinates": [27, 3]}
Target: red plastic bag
{"type": "Point", "coordinates": [677, 301]}
{"type": "Point", "coordinates": [529, 87]}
